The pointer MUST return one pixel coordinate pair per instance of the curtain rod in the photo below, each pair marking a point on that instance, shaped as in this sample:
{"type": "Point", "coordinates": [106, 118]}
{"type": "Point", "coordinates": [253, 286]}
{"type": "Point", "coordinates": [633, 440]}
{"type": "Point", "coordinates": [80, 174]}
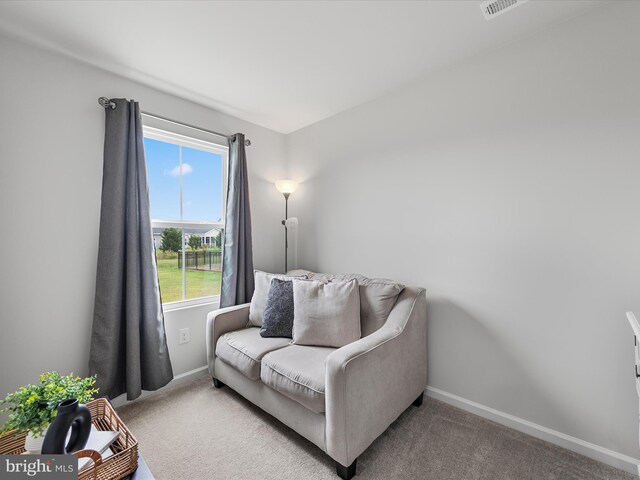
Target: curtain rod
{"type": "Point", "coordinates": [106, 102]}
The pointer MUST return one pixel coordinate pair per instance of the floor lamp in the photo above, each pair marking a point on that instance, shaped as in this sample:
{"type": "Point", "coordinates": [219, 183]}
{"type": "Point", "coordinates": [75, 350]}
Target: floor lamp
{"type": "Point", "coordinates": [286, 188]}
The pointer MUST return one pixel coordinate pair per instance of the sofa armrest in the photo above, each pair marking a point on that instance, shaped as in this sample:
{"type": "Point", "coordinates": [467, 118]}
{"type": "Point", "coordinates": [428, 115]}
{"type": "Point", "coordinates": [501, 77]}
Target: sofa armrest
{"type": "Point", "coordinates": [222, 321]}
{"type": "Point", "coordinates": [370, 382]}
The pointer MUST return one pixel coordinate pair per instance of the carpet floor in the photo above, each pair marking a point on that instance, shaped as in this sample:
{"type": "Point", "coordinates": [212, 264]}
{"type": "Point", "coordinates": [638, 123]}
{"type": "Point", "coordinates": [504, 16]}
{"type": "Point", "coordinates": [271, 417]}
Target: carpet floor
{"type": "Point", "coordinates": [194, 431]}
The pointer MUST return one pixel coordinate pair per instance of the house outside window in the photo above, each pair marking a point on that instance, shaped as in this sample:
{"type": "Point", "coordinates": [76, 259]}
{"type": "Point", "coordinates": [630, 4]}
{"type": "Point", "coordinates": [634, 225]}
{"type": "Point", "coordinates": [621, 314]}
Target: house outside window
{"type": "Point", "coordinates": [187, 189]}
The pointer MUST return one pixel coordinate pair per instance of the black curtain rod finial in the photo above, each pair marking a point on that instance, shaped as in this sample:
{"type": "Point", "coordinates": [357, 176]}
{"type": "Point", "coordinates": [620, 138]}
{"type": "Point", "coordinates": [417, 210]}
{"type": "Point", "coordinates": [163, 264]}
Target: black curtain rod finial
{"type": "Point", "coordinates": [106, 102]}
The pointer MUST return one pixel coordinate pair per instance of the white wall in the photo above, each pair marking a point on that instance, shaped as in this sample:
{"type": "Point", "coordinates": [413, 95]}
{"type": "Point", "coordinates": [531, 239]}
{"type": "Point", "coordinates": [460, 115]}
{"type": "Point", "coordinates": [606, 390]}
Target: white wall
{"type": "Point", "coordinates": [508, 187]}
{"type": "Point", "coordinates": [51, 140]}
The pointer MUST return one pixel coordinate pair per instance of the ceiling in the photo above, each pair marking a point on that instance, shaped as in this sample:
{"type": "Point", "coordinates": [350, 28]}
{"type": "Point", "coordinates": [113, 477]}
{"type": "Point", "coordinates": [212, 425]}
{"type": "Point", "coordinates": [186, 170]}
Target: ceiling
{"type": "Point", "coordinates": [280, 64]}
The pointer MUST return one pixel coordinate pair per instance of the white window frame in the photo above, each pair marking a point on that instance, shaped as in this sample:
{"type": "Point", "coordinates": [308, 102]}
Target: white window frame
{"type": "Point", "coordinates": [207, 146]}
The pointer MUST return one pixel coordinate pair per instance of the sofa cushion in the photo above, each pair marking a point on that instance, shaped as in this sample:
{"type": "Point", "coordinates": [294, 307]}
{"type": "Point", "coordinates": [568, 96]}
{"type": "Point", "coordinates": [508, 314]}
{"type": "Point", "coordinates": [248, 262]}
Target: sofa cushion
{"type": "Point", "coordinates": [262, 282]}
{"type": "Point", "coordinates": [377, 296]}
{"type": "Point", "coordinates": [299, 373]}
{"type": "Point", "coordinates": [325, 314]}
{"type": "Point", "coordinates": [277, 320]}
{"type": "Point", "coordinates": [244, 349]}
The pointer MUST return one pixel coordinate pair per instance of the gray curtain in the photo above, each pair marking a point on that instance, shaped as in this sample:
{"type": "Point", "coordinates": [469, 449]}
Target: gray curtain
{"type": "Point", "coordinates": [237, 260]}
{"type": "Point", "coordinates": [128, 344]}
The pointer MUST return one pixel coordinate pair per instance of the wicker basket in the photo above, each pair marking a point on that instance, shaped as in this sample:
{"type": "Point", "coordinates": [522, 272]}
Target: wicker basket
{"type": "Point", "coordinates": [122, 463]}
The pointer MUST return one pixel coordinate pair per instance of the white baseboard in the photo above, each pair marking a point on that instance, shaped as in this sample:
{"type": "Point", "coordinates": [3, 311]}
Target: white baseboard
{"type": "Point", "coordinates": [604, 455]}
{"type": "Point", "coordinates": [177, 380]}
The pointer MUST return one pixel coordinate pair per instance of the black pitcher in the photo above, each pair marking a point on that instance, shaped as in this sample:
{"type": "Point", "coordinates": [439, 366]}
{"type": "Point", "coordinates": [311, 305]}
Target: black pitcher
{"type": "Point", "coordinates": [72, 415]}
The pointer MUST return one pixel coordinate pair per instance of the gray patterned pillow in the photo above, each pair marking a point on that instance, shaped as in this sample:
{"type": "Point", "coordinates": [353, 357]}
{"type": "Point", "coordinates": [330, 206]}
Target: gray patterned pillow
{"type": "Point", "coordinates": [261, 292]}
{"type": "Point", "coordinates": [277, 320]}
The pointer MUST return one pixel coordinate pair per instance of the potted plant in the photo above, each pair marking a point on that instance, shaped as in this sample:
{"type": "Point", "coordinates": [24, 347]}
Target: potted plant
{"type": "Point", "coordinates": [32, 408]}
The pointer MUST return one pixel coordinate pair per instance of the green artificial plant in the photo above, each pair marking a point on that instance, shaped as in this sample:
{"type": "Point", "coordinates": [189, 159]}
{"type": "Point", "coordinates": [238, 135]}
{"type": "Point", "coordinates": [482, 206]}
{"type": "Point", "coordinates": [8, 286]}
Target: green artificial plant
{"type": "Point", "coordinates": [33, 407]}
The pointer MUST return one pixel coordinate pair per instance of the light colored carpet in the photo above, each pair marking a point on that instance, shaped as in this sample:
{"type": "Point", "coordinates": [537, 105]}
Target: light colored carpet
{"type": "Point", "coordinates": [194, 431]}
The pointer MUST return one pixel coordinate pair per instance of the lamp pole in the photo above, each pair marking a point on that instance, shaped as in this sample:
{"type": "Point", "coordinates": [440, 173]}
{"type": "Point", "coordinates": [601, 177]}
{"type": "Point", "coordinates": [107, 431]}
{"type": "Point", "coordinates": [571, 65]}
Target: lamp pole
{"type": "Point", "coordinates": [286, 236]}
{"type": "Point", "coordinates": [286, 188]}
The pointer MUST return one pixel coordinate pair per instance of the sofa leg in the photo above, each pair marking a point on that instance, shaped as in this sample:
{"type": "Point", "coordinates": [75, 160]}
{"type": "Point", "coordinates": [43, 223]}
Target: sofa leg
{"type": "Point", "coordinates": [418, 401]}
{"type": "Point", "coordinates": [346, 473]}
{"type": "Point", "coordinates": [217, 383]}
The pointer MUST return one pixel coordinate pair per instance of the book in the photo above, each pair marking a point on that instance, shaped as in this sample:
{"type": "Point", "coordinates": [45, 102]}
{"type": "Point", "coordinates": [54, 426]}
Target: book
{"type": "Point", "coordinates": [100, 441]}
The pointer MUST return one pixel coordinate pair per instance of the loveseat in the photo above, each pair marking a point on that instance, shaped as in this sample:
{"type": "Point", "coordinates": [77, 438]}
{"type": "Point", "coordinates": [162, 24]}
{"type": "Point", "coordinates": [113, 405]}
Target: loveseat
{"type": "Point", "coordinates": [340, 399]}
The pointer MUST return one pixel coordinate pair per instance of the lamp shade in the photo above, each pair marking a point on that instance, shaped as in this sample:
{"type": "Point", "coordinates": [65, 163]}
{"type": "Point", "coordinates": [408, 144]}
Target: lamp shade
{"type": "Point", "coordinates": [286, 186]}
{"type": "Point", "coordinates": [291, 222]}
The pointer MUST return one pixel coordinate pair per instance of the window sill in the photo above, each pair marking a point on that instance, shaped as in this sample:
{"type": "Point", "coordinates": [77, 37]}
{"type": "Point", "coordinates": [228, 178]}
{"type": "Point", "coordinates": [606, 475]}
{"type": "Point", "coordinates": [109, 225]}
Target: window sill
{"type": "Point", "coordinates": [196, 302]}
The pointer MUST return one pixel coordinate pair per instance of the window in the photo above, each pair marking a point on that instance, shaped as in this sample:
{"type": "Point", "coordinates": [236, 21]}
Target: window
{"type": "Point", "coordinates": [187, 188]}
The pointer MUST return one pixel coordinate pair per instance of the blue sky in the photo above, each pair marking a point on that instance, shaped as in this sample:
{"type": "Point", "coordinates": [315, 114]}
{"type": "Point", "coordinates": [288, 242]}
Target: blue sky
{"type": "Point", "coordinates": [201, 182]}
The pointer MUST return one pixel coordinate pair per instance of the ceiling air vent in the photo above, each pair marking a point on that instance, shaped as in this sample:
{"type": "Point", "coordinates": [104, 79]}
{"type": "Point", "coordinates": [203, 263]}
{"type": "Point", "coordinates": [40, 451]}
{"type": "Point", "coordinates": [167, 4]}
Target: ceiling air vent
{"type": "Point", "coordinates": [493, 8]}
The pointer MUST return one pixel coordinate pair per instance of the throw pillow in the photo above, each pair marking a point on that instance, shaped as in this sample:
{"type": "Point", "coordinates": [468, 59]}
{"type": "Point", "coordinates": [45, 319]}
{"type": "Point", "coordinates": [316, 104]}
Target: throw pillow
{"type": "Point", "coordinates": [377, 296]}
{"type": "Point", "coordinates": [326, 314]}
{"type": "Point", "coordinates": [277, 320]}
{"type": "Point", "coordinates": [261, 292]}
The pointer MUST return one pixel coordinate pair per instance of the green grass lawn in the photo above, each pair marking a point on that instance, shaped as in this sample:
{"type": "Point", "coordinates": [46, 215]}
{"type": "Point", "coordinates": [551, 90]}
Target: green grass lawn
{"type": "Point", "coordinates": [199, 283]}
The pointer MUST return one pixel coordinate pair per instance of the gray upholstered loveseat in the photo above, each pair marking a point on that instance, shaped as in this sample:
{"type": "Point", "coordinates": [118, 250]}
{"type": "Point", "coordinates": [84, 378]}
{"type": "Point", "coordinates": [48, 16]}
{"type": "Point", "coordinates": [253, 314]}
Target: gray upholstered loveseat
{"type": "Point", "coordinates": [341, 399]}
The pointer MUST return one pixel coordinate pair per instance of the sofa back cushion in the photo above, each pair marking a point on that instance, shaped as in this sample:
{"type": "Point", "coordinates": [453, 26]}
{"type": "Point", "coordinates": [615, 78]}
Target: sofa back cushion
{"type": "Point", "coordinates": [377, 296]}
{"type": "Point", "coordinates": [326, 314]}
{"type": "Point", "coordinates": [262, 282]}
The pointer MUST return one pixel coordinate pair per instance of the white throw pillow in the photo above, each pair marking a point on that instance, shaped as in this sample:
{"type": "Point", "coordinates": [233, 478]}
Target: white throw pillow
{"type": "Point", "coordinates": [326, 314]}
{"type": "Point", "coordinates": [262, 281]}
{"type": "Point", "coordinates": [377, 296]}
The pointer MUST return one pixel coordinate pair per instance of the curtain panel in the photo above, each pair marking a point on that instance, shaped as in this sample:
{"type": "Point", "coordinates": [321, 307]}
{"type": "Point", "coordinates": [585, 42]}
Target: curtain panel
{"type": "Point", "coordinates": [128, 342]}
{"type": "Point", "coordinates": [237, 260]}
